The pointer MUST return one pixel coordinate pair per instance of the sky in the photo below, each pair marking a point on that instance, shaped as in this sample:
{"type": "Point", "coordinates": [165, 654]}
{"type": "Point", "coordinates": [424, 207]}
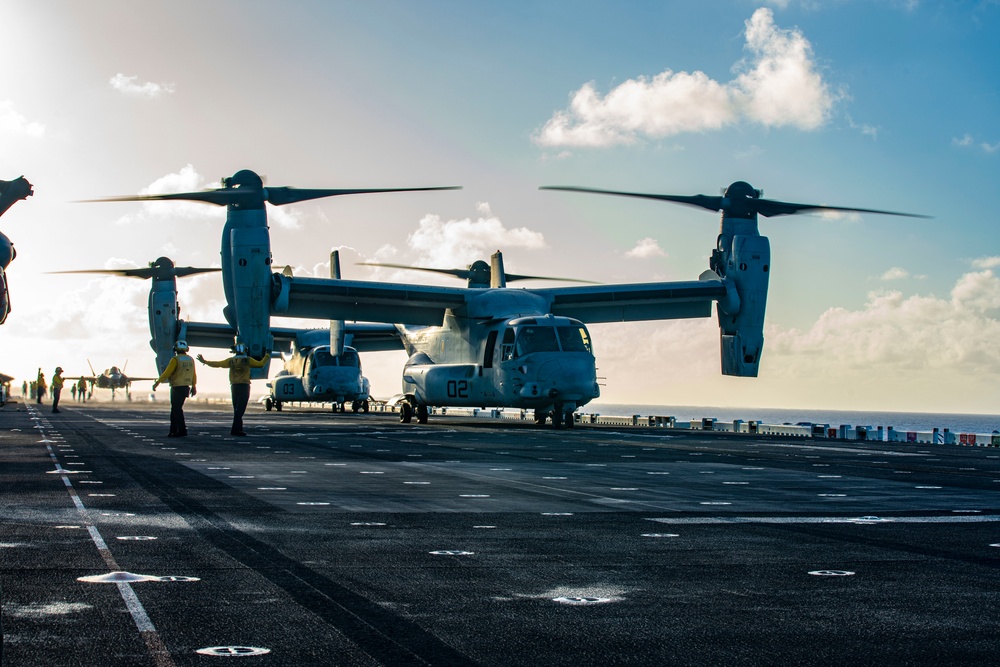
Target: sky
{"type": "Point", "coordinates": [882, 104]}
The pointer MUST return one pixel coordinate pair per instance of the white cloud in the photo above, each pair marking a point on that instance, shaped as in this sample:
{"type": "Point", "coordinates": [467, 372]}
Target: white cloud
{"type": "Point", "coordinates": [186, 180]}
{"type": "Point", "coordinates": [967, 141]}
{"type": "Point", "coordinates": [897, 335]}
{"type": "Point", "coordinates": [777, 86]}
{"type": "Point", "coordinates": [645, 249]}
{"type": "Point", "coordinates": [895, 273]}
{"type": "Point", "coordinates": [864, 128]}
{"type": "Point", "coordinates": [986, 263]}
{"type": "Point", "coordinates": [458, 243]}
{"type": "Point", "coordinates": [129, 86]}
{"type": "Point", "coordinates": [12, 122]}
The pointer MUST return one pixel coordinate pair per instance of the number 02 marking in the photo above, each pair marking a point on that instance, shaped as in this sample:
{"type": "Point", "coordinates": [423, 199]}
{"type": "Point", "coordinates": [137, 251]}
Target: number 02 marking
{"type": "Point", "coordinates": [458, 388]}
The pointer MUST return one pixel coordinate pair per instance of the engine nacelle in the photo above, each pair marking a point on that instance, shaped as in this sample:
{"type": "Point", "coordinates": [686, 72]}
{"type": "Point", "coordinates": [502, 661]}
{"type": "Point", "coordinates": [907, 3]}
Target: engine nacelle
{"type": "Point", "coordinates": [163, 326]}
{"type": "Point", "coordinates": [742, 333]}
{"type": "Point", "coordinates": [288, 388]}
{"type": "Point", "coordinates": [442, 384]}
{"type": "Point", "coordinates": [250, 265]}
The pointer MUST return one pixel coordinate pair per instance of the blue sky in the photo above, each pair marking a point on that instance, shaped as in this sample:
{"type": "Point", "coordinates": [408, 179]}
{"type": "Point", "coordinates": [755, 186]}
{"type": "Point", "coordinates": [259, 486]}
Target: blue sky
{"type": "Point", "coordinates": [876, 104]}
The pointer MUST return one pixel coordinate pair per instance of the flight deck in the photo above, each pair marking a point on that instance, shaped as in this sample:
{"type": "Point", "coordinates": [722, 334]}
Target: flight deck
{"type": "Point", "coordinates": [352, 539]}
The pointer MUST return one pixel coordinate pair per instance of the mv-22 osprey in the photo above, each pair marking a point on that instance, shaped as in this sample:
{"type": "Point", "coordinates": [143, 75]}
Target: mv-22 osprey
{"type": "Point", "coordinates": [490, 345]}
{"type": "Point", "coordinates": [311, 372]}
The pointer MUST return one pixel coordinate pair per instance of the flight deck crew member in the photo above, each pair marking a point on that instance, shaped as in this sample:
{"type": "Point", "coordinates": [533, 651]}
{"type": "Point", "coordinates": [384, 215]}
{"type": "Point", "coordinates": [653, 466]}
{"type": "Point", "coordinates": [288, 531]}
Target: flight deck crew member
{"type": "Point", "coordinates": [40, 387]}
{"type": "Point", "coordinates": [81, 390]}
{"type": "Point", "coordinates": [57, 385]}
{"type": "Point", "coordinates": [239, 366]}
{"type": "Point", "coordinates": [182, 377]}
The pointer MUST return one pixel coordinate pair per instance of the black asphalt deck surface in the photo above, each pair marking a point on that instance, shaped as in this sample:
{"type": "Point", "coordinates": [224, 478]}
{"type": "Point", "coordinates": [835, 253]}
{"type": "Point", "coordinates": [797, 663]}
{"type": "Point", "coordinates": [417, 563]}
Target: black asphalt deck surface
{"type": "Point", "coordinates": [355, 540]}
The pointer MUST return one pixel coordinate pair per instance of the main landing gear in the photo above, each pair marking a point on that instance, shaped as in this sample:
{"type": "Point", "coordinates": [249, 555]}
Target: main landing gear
{"type": "Point", "coordinates": [559, 416]}
{"type": "Point", "coordinates": [407, 412]}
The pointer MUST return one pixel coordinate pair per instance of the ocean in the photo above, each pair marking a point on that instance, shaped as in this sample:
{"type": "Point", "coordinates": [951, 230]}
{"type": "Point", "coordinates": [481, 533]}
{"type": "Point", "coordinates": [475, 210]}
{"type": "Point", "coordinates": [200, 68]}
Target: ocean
{"type": "Point", "coordinates": [901, 421]}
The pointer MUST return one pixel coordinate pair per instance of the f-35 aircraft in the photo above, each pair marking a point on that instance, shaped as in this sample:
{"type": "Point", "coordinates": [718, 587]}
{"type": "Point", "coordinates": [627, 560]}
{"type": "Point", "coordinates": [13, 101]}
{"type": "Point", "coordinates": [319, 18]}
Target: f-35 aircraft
{"type": "Point", "coordinates": [11, 192]}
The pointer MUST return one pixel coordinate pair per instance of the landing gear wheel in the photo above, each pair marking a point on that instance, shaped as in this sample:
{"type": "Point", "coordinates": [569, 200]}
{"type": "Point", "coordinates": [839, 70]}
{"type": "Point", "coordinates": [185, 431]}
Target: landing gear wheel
{"type": "Point", "coordinates": [343, 407]}
{"type": "Point", "coordinates": [268, 404]}
{"type": "Point", "coordinates": [355, 406]}
{"type": "Point", "coordinates": [557, 417]}
{"type": "Point", "coordinates": [539, 418]}
{"type": "Point", "coordinates": [569, 420]}
{"type": "Point", "coordinates": [405, 413]}
{"type": "Point", "coordinates": [333, 408]}
{"type": "Point", "coordinates": [422, 414]}
{"type": "Point", "coordinates": [277, 406]}
{"type": "Point", "coordinates": [364, 406]}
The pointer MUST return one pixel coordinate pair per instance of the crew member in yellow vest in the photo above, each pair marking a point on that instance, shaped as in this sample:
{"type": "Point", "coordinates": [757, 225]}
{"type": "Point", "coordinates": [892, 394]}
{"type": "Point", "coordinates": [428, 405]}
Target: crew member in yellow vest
{"type": "Point", "coordinates": [239, 366]}
{"type": "Point", "coordinates": [183, 380]}
{"type": "Point", "coordinates": [40, 387]}
{"type": "Point", "coordinates": [57, 385]}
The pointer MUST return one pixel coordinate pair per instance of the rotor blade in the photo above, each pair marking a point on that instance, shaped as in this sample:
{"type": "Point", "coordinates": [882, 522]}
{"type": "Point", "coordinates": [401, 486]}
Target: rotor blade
{"type": "Point", "coordinates": [126, 273]}
{"type": "Point", "coordinates": [458, 273]}
{"type": "Point", "coordinates": [222, 197]}
{"type": "Point", "coordinates": [290, 195]}
{"type": "Point", "coordinates": [770, 208]}
{"type": "Point", "coordinates": [701, 201]}
{"type": "Point", "coordinates": [513, 276]}
{"type": "Point", "coordinates": [182, 271]}
{"type": "Point", "coordinates": [145, 273]}
{"type": "Point", "coordinates": [464, 273]}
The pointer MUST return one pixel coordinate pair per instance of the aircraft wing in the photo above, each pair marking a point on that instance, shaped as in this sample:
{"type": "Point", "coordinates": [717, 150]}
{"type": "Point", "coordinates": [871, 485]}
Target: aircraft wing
{"type": "Point", "coordinates": [372, 337]}
{"type": "Point", "coordinates": [361, 301]}
{"type": "Point", "coordinates": [364, 337]}
{"type": "Point", "coordinates": [635, 302]}
{"type": "Point", "coordinates": [211, 334]}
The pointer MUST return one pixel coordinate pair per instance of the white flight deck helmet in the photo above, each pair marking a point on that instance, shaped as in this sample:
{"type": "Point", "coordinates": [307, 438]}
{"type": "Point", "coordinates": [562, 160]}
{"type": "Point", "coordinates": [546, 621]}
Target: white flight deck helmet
{"type": "Point", "coordinates": [181, 346]}
{"type": "Point", "coordinates": [239, 347]}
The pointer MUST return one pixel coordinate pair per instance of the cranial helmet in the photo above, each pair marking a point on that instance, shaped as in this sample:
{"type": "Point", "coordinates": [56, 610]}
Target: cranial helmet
{"type": "Point", "coordinates": [239, 347]}
{"type": "Point", "coordinates": [58, 369]}
{"type": "Point", "coordinates": [181, 346]}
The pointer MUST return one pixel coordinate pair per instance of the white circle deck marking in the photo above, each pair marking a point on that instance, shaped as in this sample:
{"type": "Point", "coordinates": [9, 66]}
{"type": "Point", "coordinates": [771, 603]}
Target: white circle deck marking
{"type": "Point", "coordinates": [452, 553]}
{"type": "Point", "coordinates": [313, 504]}
{"type": "Point", "coordinates": [580, 601]}
{"type": "Point", "coordinates": [473, 495]}
{"type": "Point", "coordinates": [557, 514]}
{"type": "Point", "coordinates": [272, 488]}
{"type": "Point", "coordinates": [135, 538]}
{"type": "Point", "coordinates": [660, 535]}
{"type": "Point", "coordinates": [233, 651]}
{"type": "Point", "coordinates": [368, 523]}
{"type": "Point", "coordinates": [832, 573]}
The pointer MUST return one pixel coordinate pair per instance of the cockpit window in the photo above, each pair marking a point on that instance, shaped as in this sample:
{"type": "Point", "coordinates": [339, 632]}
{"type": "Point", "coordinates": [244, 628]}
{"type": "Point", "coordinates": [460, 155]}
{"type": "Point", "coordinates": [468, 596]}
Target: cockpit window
{"type": "Point", "coordinates": [322, 357]}
{"type": "Point", "coordinates": [574, 339]}
{"type": "Point", "coordinates": [536, 339]}
{"type": "Point", "coordinates": [349, 357]}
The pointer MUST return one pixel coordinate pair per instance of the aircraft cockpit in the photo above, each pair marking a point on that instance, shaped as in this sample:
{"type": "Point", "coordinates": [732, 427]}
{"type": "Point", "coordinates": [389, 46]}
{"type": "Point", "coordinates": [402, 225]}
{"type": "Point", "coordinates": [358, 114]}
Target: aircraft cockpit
{"type": "Point", "coordinates": [320, 357]}
{"type": "Point", "coordinates": [544, 334]}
